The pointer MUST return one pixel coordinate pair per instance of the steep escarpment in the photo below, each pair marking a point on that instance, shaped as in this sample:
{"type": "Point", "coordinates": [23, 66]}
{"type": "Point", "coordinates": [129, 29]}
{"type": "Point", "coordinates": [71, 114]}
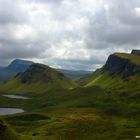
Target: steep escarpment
{"type": "Point", "coordinates": [136, 52]}
{"type": "Point", "coordinates": [122, 70]}
{"type": "Point", "coordinates": [122, 64]}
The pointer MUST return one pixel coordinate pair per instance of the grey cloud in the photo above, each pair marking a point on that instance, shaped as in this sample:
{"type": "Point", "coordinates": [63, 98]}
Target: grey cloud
{"type": "Point", "coordinates": [115, 27]}
{"type": "Point", "coordinates": [74, 64]}
{"type": "Point", "coordinates": [124, 12]}
{"type": "Point", "coordinates": [56, 28]}
{"type": "Point", "coordinates": [13, 49]}
{"type": "Point", "coordinates": [12, 12]}
{"type": "Point", "coordinates": [47, 1]}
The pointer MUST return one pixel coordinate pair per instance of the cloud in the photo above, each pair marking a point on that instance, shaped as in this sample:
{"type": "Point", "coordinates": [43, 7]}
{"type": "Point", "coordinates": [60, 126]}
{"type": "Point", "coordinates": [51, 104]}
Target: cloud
{"type": "Point", "coordinates": [72, 34]}
{"type": "Point", "coordinates": [12, 12]}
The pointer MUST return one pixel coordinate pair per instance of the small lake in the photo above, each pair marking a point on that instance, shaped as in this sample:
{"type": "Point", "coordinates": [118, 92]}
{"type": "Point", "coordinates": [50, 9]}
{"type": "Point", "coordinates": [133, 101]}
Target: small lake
{"type": "Point", "coordinates": [9, 111]}
{"type": "Point", "coordinates": [16, 97]}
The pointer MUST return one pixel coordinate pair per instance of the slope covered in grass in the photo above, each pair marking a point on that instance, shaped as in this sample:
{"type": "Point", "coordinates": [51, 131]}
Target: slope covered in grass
{"type": "Point", "coordinates": [105, 106]}
{"type": "Point", "coordinates": [121, 70]}
{"type": "Point", "coordinates": [133, 58]}
{"type": "Point", "coordinates": [37, 79]}
{"type": "Point", "coordinates": [6, 133]}
{"type": "Point", "coordinates": [81, 114]}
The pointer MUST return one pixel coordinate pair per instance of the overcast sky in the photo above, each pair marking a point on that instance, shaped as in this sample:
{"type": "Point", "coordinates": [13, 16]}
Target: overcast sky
{"type": "Point", "coordinates": [70, 34]}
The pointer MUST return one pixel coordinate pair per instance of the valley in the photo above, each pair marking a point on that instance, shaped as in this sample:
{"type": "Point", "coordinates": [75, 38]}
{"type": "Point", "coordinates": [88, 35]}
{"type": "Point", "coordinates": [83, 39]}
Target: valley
{"type": "Point", "coordinates": [101, 105]}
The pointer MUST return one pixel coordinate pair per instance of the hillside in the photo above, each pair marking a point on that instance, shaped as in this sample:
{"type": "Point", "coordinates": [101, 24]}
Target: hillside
{"type": "Point", "coordinates": [121, 71]}
{"type": "Point", "coordinates": [38, 78]}
{"type": "Point", "coordinates": [19, 65]}
{"type": "Point", "coordinates": [6, 133]}
{"type": "Point", "coordinates": [105, 107]}
{"type": "Point", "coordinates": [13, 68]}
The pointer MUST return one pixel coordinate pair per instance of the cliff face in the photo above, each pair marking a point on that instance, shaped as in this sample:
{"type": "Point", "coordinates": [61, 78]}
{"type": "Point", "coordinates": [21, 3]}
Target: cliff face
{"type": "Point", "coordinates": [135, 52]}
{"type": "Point", "coordinates": [124, 67]}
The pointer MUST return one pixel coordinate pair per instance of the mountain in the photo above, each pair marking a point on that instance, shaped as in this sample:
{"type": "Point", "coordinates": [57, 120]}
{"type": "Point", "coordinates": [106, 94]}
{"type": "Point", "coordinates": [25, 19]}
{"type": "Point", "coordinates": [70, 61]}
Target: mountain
{"type": "Point", "coordinates": [13, 68]}
{"type": "Point", "coordinates": [121, 71]}
{"type": "Point", "coordinates": [19, 65]}
{"type": "Point", "coordinates": [72, 74]}
{"type": "Point", "coordinates": [6, 133]}
{"type": "Point", "coordinates": [38, 78]}
{"type": "Point", "coordinates": [105, 106]}
{"type": "Point", "coordinates": [123, 64]}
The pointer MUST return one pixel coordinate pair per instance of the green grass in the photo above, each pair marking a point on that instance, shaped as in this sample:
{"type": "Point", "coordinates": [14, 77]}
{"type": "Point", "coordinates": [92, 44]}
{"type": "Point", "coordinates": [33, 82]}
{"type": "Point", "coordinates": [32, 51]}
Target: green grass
{"type": "Point", "coordinates": [13, 86]}
{"type": "Point", "coordinates": [80, 114]}
{"type": "Point", "coordinates": [37, 80]}
{"type": "Point", "coordinates": [133, 58]}
{"type": "Point", "coordinates": [106, 107]}
{"type": "Point", "coordinates": [105, 80]}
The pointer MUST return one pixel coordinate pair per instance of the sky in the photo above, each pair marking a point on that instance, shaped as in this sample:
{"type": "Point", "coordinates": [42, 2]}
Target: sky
{"type": "Point", "coordinates": [68, 34]}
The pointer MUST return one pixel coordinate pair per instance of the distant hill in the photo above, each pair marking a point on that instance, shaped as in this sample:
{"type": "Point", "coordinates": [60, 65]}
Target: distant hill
{"type": "Point", "coordinates": [13, 68]}
{"type": "Point", "coordinates": [121, 71]}
{"type": "Point", "coordinates": [72, 74]}
{"type": "Point", "coordinates": [38, 78]}
{"type": "Point", "coordinates": [19, 65]}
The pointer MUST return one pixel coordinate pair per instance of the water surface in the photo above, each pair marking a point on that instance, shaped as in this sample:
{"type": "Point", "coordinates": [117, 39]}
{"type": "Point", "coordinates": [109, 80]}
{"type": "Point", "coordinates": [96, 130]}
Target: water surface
{"type": "Point", "coordinates": [9, 111]}
{"type": "Point", "coordinates": [16, 97]}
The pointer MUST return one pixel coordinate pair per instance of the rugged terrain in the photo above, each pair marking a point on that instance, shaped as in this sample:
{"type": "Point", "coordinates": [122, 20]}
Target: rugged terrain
{"type": "Point", "coordinates": [18, 65]}
{"type": "Point", "coordinates": [38, 78]}
{"type": "Point", "coordinates": [104, 105]}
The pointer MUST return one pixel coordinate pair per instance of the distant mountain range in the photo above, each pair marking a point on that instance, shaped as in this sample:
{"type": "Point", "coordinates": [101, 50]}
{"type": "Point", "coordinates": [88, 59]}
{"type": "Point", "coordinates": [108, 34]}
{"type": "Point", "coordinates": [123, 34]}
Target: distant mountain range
{"type": "Point", "coordinates": [72, 74]}
{"type": "Point", "coordinates": [18, 65]}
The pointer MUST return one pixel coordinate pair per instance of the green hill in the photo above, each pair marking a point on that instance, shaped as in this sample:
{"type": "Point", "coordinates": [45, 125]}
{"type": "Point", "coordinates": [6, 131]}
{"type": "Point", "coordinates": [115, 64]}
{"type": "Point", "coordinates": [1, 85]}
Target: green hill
{"type": "Point", "coordinates": [38, 78]}
{"type": "Point", "coordinates": [105, 106]}
{"type": "Point", "coordinates": [121, 71]}
{"type": "Point", "coordinates": [18, 65]}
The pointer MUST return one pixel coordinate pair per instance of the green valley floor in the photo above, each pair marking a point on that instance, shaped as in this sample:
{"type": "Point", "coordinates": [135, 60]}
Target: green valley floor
{"type": "Point", "coordinates": [72, 115]}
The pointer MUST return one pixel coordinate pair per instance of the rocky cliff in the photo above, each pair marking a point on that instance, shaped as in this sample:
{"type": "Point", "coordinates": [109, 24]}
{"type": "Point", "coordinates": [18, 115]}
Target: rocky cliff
{"type": "Point", "coordinates": [135, 52]}
{"type": "Point", "coordinates": [122, 64]}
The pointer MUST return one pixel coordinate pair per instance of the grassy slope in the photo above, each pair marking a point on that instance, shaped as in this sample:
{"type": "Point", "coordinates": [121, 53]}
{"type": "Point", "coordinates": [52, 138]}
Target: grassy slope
{"type": "Point", "coordinates": [13, 86]}
{"type": "Point", "coordinates": [40, 81]}
{"type": "Point", "coordinates": [6, 133]}
{"type": "Point", "coordinates": [80, 114]}
{"type": "Point", "coordinates": [109, 112]}
{"type": "Point", "coordinates": [133, 58]}
{"type": "Point", "coordinates": [103, 79]}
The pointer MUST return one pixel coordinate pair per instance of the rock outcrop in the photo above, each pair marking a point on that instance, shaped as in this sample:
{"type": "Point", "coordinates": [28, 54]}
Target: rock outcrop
{"type": "Point", "coordinates": [124, 67]}
{"type": "Point", "coordinates": [136, 52]}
